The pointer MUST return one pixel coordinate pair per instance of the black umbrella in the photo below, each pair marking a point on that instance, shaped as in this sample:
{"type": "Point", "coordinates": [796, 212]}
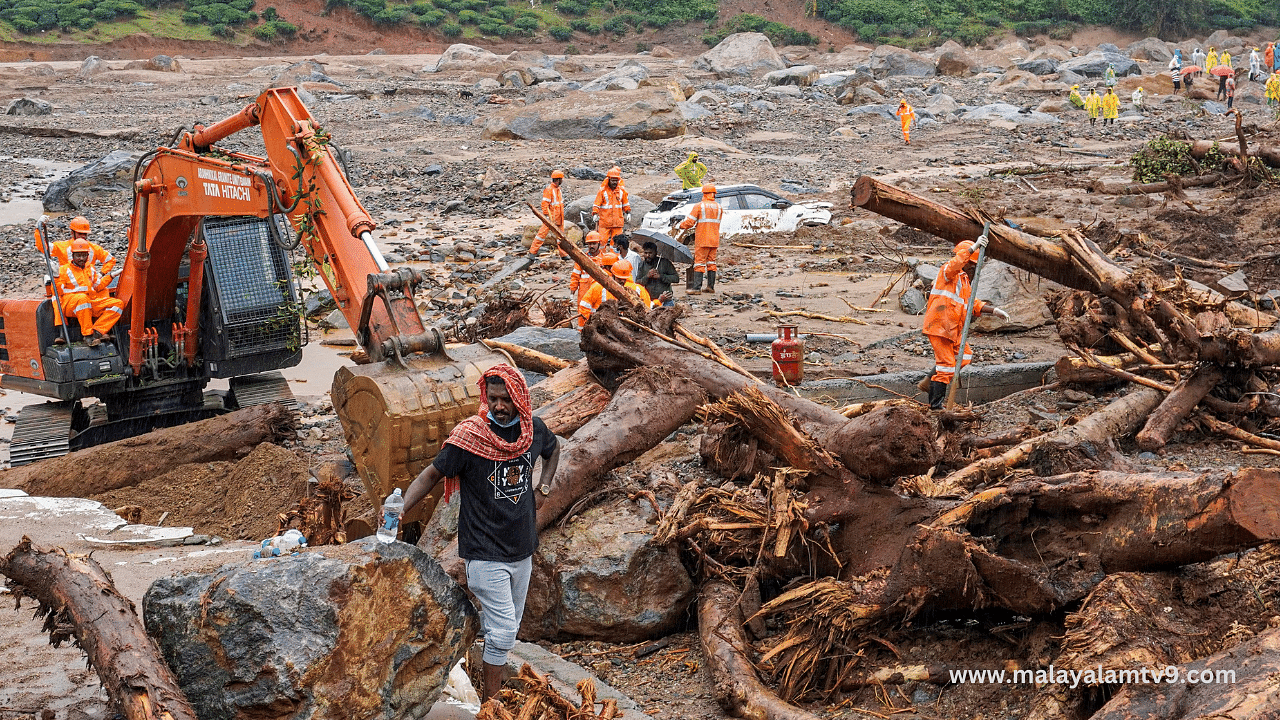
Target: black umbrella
{"type": "Point", "coordinates": [668, 247]}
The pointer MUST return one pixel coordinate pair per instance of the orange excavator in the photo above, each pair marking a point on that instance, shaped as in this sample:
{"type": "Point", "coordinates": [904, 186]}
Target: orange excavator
{"type": "Point", "coordinates": [209, 292]}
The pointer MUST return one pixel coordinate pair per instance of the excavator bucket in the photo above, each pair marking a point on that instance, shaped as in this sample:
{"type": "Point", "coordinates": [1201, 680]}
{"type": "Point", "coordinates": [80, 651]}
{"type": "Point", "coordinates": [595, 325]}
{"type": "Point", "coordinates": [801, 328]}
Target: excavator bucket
{"type": "Point", "coordinates": [396, 416]}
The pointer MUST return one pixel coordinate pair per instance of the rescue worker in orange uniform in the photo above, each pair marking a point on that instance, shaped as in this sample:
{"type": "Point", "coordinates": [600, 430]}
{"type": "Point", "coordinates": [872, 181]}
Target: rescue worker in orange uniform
{"type": "Point", "coordinates": [84, 294]}
{"type": "Point", "coordinates": [907, 115]}
{"type": "Point", "coordinates": [553, 208]}
{"type": "Point", "coordinates": [706, 240]}
{"type": "Point", "coordinates": [61, 253]}
{"type": "Point", "coordinates": [579, 280]}
{"type": "Point", "coordinates": [612, 209]}
{"type": "Point", "coordinates": [597, 295]}
{"type": "Point", "coordinates": [944, 316]}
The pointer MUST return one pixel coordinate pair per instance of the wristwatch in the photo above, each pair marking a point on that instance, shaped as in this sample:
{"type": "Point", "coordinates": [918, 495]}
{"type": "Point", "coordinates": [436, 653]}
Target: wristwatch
{"type": "Point", "coordinates": [544, 489]}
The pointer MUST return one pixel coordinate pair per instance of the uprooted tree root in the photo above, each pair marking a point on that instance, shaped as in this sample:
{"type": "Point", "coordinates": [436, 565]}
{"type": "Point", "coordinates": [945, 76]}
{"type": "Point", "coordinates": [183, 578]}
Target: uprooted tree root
{"type": "Point", "coordinates": [536, 699]}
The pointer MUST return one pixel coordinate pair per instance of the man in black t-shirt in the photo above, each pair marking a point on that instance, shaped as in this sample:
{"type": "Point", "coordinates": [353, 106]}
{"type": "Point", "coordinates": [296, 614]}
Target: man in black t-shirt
{"type": "Point", "coordinates": [489, 457]}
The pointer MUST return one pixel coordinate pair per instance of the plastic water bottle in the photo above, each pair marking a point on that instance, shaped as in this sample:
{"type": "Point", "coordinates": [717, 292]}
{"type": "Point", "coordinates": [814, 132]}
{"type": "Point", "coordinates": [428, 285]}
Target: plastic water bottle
{"type": "Point", "coordinates": [391, 511]}
{"type": "Point", "coordinates": [285, 544]}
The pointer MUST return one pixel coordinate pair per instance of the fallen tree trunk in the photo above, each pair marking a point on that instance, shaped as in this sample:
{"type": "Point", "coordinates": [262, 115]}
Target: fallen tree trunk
{"type": "Point", "coordinates": [567, 413]}
{"type": "Point", "coordinates": [1105, 188]}
{"type": "Point", "coordinates": [724, 646]}
{"type": "Point", "coordinates": [1177, 406]}
{"type": "Point", "coordinates": [532, 360]}
{"type": "Point", "coordinates": [75, 590]}
{"type": "Point", "coordinates": [130, 461]}
{"type": "Point", "coordinates": [650, 404]}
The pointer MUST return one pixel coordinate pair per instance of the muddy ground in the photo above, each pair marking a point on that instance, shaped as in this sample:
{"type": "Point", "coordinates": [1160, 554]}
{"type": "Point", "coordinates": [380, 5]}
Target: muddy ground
{"type": "Point", "coordinates": [378, 114]}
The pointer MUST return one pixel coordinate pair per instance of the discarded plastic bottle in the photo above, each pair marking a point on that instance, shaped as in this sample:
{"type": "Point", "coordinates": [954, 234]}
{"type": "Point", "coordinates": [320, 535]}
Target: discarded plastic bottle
{"type": "Point", "coordinates": [289, 542]}
{"type": "Point", "coordinates": [391, 510]}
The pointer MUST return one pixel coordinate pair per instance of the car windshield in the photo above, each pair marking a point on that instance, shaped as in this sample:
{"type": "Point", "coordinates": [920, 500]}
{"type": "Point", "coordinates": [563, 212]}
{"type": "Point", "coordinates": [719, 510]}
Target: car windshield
{"type": "Point", "coordinates": [755, 201]}
{"type": "Point", "coordinates": [668, 205]}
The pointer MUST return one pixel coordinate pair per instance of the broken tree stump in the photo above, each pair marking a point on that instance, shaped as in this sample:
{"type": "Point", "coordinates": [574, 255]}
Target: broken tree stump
{"type": "Point", "coordinates": [105, 626]}
{"type": "Point", "coordinates": [130, 461]}
{"type": "Point", "coordinates": [569, 412]}
{"type": "Point", "coordinates": [724, 646]}
{"type": "Point", "coordinates": [1177, 406]}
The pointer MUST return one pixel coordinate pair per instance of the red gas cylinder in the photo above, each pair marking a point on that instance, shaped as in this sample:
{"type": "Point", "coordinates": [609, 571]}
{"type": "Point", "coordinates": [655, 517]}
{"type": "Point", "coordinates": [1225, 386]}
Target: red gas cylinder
{"type": "Point", "coordinates": [788, 356]}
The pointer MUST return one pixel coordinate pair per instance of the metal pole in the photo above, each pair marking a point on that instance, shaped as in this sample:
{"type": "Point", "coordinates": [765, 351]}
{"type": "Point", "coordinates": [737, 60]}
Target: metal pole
{"type": "Point", "coordinates": [968, 318]}
{"type": "Point", "coordinates": [53, 275]}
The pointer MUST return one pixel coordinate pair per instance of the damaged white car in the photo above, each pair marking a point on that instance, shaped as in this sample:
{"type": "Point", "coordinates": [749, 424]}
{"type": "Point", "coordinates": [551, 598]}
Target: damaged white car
{"type": "Point", "coordinates": [746, 208]}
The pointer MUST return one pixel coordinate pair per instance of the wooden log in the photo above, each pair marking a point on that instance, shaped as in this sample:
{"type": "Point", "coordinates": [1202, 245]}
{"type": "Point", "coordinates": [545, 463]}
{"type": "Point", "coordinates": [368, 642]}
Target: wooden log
{"type": "Point", "coordinates": [105, 625]}
{"type": "Point", "coordinates": [1236, 683]}
{"type": "Point", "coordinates": [649, 405]}
{"type": "Point", "coordinates": [529, 359]}
{"type": "Point", "coordinates": [1106, 188]}
{"type": "Point", "coordinates": [561, 383]}
{"type": "Point", "coordinates": [1177, 406]}
{"type": "Point", "coordinates": [724, 646]}
{"type": "Point", "coordinates": [130, 461]}
{"type": "Point", "coordinates": [567, 413]}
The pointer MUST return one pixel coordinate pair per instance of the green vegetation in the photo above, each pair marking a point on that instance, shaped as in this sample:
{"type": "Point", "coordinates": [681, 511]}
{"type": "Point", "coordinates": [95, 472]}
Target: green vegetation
{"type": "Point", "coordinates": [1167, 156]}
{"type": "Point", "coordinates": [778, 33]}
{"type": "Point", "coordinates": [30, 16]}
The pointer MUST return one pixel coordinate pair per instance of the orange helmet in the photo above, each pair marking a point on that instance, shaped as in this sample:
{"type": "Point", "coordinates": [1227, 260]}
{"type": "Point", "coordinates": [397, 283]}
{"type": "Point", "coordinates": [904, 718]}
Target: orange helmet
{"type": "Point", "coordinates": [622, 269]}
{"type": "Point", "coordinates": [558, 174]}
{"type": "Point", "coordinates": [79, 224]}
{"type": "Point", "coordinates": [964, 247]}
{"type": "Point", "coordinates": [80, 245]}
{"type": "Point", "coordinates": [592, 237]}
{"type": "Point", "coordinates": [709, 189]}
{"type": "Point", "coordinates": [614, 172]}
{"type": "Point", "coordinates": [607, 258]}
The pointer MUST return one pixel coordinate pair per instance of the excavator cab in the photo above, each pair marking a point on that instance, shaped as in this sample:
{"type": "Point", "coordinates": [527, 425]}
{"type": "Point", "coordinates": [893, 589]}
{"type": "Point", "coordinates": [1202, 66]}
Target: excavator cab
{"type": "Point", "coordinates": [210, 292]}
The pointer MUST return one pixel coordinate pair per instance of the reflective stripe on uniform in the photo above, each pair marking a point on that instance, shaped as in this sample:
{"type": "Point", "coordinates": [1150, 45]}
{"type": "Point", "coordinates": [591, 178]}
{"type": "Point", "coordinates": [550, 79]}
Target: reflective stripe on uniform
{"type": "Point", "coordinates": [83, 306]}
{"type": "Point", "coordinates": [115, 310]}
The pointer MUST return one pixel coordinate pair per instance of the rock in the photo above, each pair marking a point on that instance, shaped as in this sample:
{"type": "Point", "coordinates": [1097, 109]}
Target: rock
{"type": "Point", "coordinates": [92, 65]}
{"type": "Point", "coordinates": [487, 85]}
{"type": "Point", "coordinates": [953, 60]}
{"type": "Point", "coordinates": [1017, 293]}
{"type": "Point", "coordinates": [461, 56]}
{"type": "Point", "coordinates": [1150, 48]}
{"type": "Point", "coordinates": [586, 173]}
{"type": "Point", "coordinates": [926, 273]}
{"type": "Point", "coordinates": [318, 302]}
{"type": "Point", "coordinates": [799, 75]}
{"type": "Point", "coordinates": [913, 301]}
{"type": "Point", "coordinates": [40, 70]}
{"type": "Point", "coordinates": [1234, 283]}
{"type": "Point", "coordinates": [531, 58]}
{"type": "Point", "coordinates": [600, 578]}
{"type": "Point", "coordinates": [335, 320]}
{"type": "Point", "coordinates": [109, 176]}
{"type": "Point", "coordinates": [784, 92]}
{"type": "Point", "coordinates": [1039, 66]}
{"type": "Point", "coordinates": [706, 98]}
{"type": "Point", "coordinates": [558, 342]}
{"type": "Point", "coordinates": [515, 78]}
{"type": "Point", "coordinates": [886, 111]}
{"type": "Point", "coordinates": [762, 106]}
{"type": "Point", "coordinates": [307, 71]}
{"type": "Point", "coordinates": [1135, 201]}
{"type": "Point", "coordinates": [1054, 105]}
{"type": "Point", "coordinates": [1014, 48]}
{"type": "Point", "coordinates": [890, 61]}
{"type": "Point", "coordinates": [866, 94]}
{"type": "Point", "coordinates": [579, 209]}
{"type": "Point", "coordinates": [1217, 39]}
{"type": "Point", "coordinates": [661, 51]}
{"type": "Point", "coordinates": [1052, 52]}
{"type": "Point", "coordinates": [942, 105]}
{"type": "Point", "coordinates": [626, 76]}
{"type": "Point", "coordinates": [1094, 65]}
{"type": "Point", "coordinates": [647, 114]}
{"type": "Point", "coordinates": [693, 111]}
{"type": "Point", "coordinates": [1018, 81]}
{"type": "Point", "coordinates": [164, 63]}
{"type": "Point", "coordinates": [544, 75]}
{"type": "Point", "coordinates": [351, 631]}
{"type": "Point", "coordinates": [845, 133]}
{"type": "Point", "coordinates": [740, 54]}
{"type": "Point", "coordinates": [1009, 113]}
{"type": "Point", "coordinates": [29, 107]}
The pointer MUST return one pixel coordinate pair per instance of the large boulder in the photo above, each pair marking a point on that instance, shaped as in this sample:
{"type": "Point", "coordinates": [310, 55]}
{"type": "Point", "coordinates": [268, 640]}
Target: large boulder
{"type": "Point", "coordinates": [362, 630]}
{"type": "Point", "coordinates": [942, 104]}
{"type": "Point", "coordinates": [801, 75]}
{"type": "Point", "coordinates": [626, 76]}
{"type": "Point", "coordinates": [647, 114]}
{"type": "Point", "coordinates": [530, 58]}
{"type": "Point", "coordinates": [890, 61]}
{"type": "Point", "coordinates": [1149, 49]}
{"type": "Point", "coordinates": [159, 63]}
{"type": "Point", "coordinates": [954, 60]}
{"type": "Point", "coordinates": [1020, 81]}
{"type": "Point", "coordinates": [109, 179]}
{"type": "Point", "coordinates": [1217, 39]}
{"type": "Point", "coordinates": [1018, 293]}
{"type": "Point", "coordinates": [306, 71]}
{"type": "Point", "coordinates": [740, 55]}
{"type": "Point", "coordinates": [461, 56]}
{"type": "Point", "coordinates": [601, 578]}
{"type": "Point", "coordinates": [28, 106]}
{"type": "Point", "coordinates": [1003, 112]}
{"type": "Point", "coordinates": [93, 65]}
{"type": "Point", "coordinates": [1094, 64]}
{"type": "Point", "coordinates": [1039, 66]}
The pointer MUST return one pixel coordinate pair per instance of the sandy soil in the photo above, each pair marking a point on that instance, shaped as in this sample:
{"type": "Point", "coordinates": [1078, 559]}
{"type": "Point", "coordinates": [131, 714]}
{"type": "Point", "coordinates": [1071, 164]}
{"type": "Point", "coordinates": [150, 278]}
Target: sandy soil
{"type": "Point", "coordinates": [377, 115]}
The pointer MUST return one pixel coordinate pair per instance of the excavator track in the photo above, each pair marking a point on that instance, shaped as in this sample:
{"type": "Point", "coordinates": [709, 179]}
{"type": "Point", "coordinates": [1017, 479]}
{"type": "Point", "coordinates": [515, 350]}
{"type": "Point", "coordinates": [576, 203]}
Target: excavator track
{"type": "Point", "coordinates": [260, 389]}
{"type": "Point", "coordinates": [43, 431]}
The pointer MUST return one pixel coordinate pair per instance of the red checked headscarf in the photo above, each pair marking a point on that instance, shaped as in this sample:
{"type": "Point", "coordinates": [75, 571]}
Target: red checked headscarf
{"type": "Point", "coordinates": [473, 434]}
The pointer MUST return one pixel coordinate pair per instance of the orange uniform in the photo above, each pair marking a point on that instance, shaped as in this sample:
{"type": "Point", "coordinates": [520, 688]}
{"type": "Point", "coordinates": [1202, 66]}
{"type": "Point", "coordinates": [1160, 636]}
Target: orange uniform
{"type": "Point", "coordinates": [553, 208]}
{"type": "Point", "coordinates": [612, 205]}
{"type": "Point", "coordinates": [907, 115]}
{"type": "Point", "coordinates": [84, 297]}
{"type": "Point", "coordinates": [597, 295]}
{"type": "Point", "coordinates": [60, 251]}
{"type": "Point", "coordinates": [944, 315]}
{"type": "Point", "coordinates": [706, 237]}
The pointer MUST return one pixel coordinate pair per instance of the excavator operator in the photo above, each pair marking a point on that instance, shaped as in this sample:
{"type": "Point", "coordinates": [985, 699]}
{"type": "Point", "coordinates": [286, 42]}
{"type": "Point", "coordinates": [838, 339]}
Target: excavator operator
{"type": "Point", "coordinates": [60, 250]}
{"type": "Point", "coordinates": [84, 294]}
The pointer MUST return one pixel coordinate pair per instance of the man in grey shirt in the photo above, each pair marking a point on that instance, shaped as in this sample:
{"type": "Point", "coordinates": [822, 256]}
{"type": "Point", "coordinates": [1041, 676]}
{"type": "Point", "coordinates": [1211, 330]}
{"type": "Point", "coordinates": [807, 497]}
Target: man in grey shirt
{"type": "Point", "coordinates": [656, 274]}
